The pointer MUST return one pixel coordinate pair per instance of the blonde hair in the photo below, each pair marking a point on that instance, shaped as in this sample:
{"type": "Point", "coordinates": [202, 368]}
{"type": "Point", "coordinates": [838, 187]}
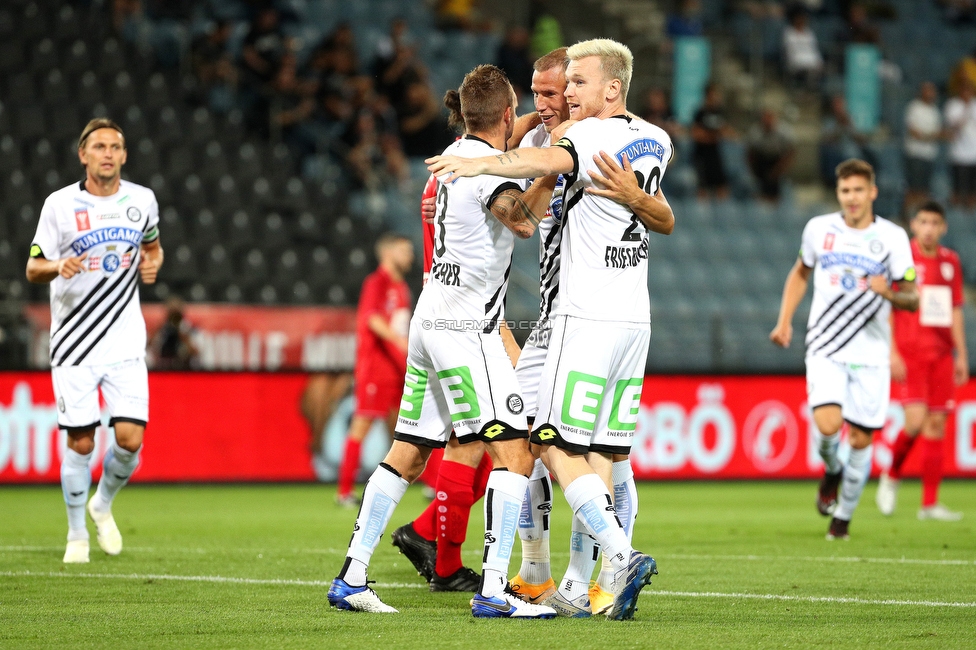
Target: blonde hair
{"type": "Point", "coordinates": [616, 60]}
{"type": "Point", "coordinates": [96, 124]}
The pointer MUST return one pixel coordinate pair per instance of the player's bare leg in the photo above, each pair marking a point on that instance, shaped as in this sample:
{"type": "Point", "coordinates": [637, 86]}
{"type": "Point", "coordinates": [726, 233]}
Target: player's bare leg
{"type": "Point", "coordinates": [887, 495]}
{"type": "Point", "coordinates": [855, 475]}
{"type": "Point", "coordinates": [75, 483]}
{"type": "Point", "coordinates": [118, 465]}
{"type": "Point", "coordinates": [828, 420]}
{"type": "Point", "coordinates": [358, 428]}
{"type": "Point", "coordinates": [590, 500]}
{"type": "Point", "coordinates": [322, 392]}
{"type": "Point", "coordinates": [387, 485]}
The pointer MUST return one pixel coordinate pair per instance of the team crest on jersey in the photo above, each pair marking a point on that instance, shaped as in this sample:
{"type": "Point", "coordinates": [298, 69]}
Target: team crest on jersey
{"type": "Point", "coordinates": [134, 214]}
{"type": "Point", "coordinates": [81, 219]}
{"type": "Point", "coordinates": [876, 246]}
{"type": "Point", "coordinates": [556, 203]}
{"type": "Point", "coordinates": [948, 271]}
{"type": "Point", "coordinates": [515, 403]}
{"type": "Point", "coordinates": [829, 241]}
{"type": "Point", "coordinates": [639, 149]}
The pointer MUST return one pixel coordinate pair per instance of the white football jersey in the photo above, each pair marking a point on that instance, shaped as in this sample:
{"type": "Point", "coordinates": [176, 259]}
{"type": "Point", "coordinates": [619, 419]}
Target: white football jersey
{"type": "Point", "coordinates": [603, 263]}
{"type": "Point", "coordinates": [472, 249]}
{"type": "Point", "coordinates": [95, 316]}
{"type": "Point", "coordinates": [849, 322]}
{"type": "Point", "coordinates": [549, 239]}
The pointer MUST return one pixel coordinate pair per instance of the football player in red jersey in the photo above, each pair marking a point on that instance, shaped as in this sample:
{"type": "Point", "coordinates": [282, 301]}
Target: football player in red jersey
{"type": "Point", "coordinates": [928, 359]}
{"type": "Point", "coordinates": [382, 321]}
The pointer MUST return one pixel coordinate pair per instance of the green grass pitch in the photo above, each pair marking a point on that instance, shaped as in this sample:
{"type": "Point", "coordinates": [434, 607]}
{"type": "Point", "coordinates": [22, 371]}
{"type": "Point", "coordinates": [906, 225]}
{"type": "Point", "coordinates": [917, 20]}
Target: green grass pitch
{"type": "Point", "coordinates": [742, 565]}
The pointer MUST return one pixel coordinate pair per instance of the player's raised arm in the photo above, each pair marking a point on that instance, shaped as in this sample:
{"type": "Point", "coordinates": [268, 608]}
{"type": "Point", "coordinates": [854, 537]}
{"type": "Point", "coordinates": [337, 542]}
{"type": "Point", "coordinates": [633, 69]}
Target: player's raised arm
{"type": "Point", "coordinates": [793, 292]}
{"type": "Point", "coordinates": [619, 183]}
{"type": "Point", "coordinates": [517, 163]}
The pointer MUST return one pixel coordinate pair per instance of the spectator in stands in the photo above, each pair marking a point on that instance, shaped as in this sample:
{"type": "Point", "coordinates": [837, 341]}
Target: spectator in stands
{"type": "Point", "coordinates": [770, 154]}
{"type": "Point", "coordinates": [708, 130]}
{"type": "Point", "coordinates": [960, 120]}
{"type": "Point", "coordinates": [456, 14]}
{"type": "Point", "coordinates": [214, 68]}
{"type": "Point", "coordinates": [839, 140]}
{"type": "Point", "coordinates": [965, 69]}
{"type": "Point", "coordinates": [923, 130]}
{"type": "Point", "coordinates": [423, 129]}
{"type": "Point", "coordinates": [515, 59]}
{"type": "Point", "coordinates": [687, 21]}
{"type": "Point", "coordinates": [396, 65]}
{"type": "Point", "coordinates": [657, 111]}
{"type": "Point", "coordinates": [172, 346]}
{"type": "Point", "coordinates": [374, 157]}
{"type": "Point", "coordinates": [264, 47]}
{"type": "Point", "coordinates": [959, 12]}
{"type": "Point", "coordinates": [801, 52]}
{"type": "Point", "coordinates": [857, 28]}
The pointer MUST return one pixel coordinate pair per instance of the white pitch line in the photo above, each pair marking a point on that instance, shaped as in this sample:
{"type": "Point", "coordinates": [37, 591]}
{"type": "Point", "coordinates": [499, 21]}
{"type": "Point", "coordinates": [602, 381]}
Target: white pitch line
{"type": "Point", "coordinates": [810, 558]}
{"type": "Point", "coordinates": [676, 556]}
{"type": "Point", "coordinates": [417, 585]}
{"type": "Point", "coordinates": [810, 599]}
{"type": "Point", "coordinates": [215, 579]}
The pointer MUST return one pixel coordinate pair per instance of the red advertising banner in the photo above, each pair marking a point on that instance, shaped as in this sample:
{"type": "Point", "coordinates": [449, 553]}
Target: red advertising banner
{"type": "Point", "coordinates": [761, 427]}
{"type": "Point", "coordinates": [244, 337]}
{"type": "Point", "coordinates": [202, 427]}
{"type": "Point", "coordinates": [248, 427]}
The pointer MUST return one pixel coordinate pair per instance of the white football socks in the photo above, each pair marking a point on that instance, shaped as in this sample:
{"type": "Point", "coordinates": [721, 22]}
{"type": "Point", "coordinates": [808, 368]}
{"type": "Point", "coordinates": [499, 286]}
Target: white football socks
{"type": "Point", "coordinates": [503, 503]}
{"type": "Point", "coordinates": [534, 526]}
{"type": "Point", "coordinates": [117, 467]}
{"type": "Point", "coordinates": [827, 446]}
{"type": "Point", "coordinates": [381, 495]}
{"type": "Point", "coordinates": [590, 501]}
{"type": "Point", "coordinates": [583, 553]}
{"type": "Point", "coordinates": [75, 483]}
{"type": "Point", "coordinates": [856, 474]}
{"type": "Point", "coordinates": [625, 502]}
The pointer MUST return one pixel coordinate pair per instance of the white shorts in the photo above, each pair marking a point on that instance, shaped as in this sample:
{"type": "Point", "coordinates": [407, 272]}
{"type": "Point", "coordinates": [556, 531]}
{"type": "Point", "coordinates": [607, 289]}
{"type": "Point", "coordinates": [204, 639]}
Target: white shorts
{"type": "Point", "coordinates": [589, 395]}
{"type": "Point", "coordinates": [460, 380]}
{"type": "Point", "coordinates": [861, 391]}
{"type": "Point", "coordinates": [528, 370]}
{"type": "Point", "coordinates": [125, 387]}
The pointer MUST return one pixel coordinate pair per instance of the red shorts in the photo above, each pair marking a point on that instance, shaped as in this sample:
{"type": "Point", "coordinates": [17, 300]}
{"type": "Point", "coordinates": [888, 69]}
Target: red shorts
{"type": "Point", "coordinates": [376, 398]}
{"type": "Point", "coordinates": [928, 379]}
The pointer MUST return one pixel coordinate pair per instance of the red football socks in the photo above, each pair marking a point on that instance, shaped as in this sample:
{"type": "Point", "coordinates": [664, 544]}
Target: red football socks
{"type": "Point", "coordinates": [899, 452]}
{"type": "Point", "coordinates": [932, 453]}
{"type": "Point", "coordinates": [349, 467]}
{"type": "Point", "coordinates": [455, 496]}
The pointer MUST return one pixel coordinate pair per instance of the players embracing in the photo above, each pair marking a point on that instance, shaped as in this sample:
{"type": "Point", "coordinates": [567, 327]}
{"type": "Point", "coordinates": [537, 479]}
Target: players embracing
{"type": "Point", "coordinates": [590, 388]}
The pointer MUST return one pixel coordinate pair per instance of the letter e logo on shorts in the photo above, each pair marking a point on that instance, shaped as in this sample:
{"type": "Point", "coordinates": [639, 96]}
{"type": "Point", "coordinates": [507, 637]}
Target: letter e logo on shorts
{"type": "Point", "coordinates": [582, 399]}
{"type": "Point", "coordinates": [414, 387]}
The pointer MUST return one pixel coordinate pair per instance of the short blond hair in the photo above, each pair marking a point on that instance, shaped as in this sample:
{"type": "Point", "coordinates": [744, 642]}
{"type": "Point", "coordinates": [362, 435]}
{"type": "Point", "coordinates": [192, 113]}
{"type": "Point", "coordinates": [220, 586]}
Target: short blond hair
{"type": "Point", "coordinates": [616, 60]}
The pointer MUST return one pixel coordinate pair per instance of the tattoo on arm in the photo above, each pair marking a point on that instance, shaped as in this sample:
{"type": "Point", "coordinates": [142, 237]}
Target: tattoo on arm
{"type": "Point", "coordinates": [515, 213]}
{"type": "Point", "coordinates": [506, 158]}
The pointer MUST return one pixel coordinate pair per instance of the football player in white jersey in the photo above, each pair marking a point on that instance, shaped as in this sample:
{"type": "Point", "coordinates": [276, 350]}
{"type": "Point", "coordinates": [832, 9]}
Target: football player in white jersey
{"type": "Point", "coordinates": [95, 239]}
{"type": "Point", "coordinates": [590, 391]}
{"type": "Point", "coordinates": [459, 375]}
{"type": "Point", "coordinates": [854, 257]}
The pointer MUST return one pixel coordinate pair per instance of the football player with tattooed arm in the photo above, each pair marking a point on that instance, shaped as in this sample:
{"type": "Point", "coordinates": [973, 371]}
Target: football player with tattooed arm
{"type": "Point", "coordinates": [95, 239]}
{"type": "Point", "coordinates": [589, 394]}
{"type": "Point", "coordinates": [855, 258]}
{"type": "Point", "coordinates": [459, 376]}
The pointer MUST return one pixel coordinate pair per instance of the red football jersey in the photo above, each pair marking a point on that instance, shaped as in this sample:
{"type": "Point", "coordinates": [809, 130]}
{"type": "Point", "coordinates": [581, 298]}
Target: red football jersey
{"type": "Point", "coordinates": [376, 358]}
{"type": "Point", "coordinates": [430, 191]}
{"type": "Point", "coordinates": [928, 330]}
